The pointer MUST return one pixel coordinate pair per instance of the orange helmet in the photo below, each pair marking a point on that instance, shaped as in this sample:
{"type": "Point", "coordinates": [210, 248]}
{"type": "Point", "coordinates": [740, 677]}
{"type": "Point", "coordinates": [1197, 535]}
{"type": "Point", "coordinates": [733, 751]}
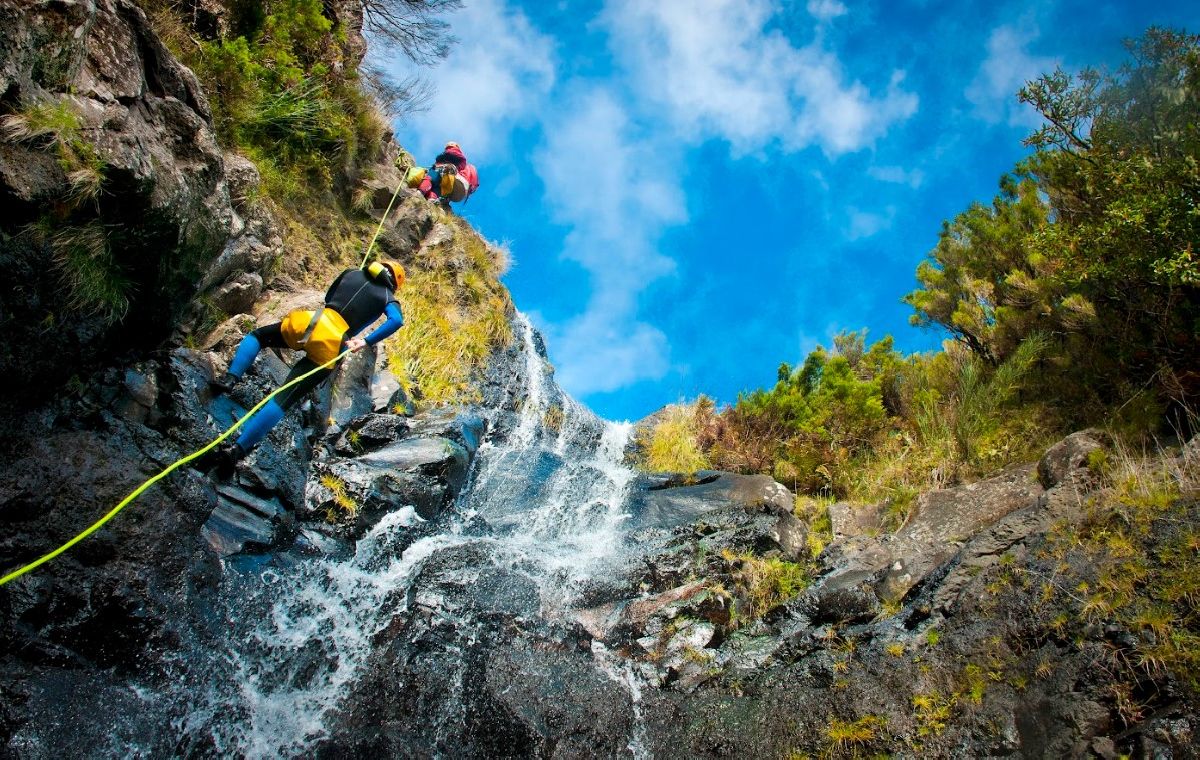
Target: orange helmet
{"type": "Point", "coordinates": [388, 272]}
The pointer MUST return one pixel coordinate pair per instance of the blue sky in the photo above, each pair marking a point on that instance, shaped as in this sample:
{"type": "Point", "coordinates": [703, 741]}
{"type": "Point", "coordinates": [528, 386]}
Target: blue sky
{"type": "Point", "coordinates": [694, 191]}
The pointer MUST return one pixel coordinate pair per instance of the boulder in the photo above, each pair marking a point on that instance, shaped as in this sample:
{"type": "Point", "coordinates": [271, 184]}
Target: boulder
{"type": "Point", "coordinates": [663, 502]}
{"type": "Point", "coordinates": [370, 432]}
{"type": "Point", "coordinates": [425, 474]}
{"type": "Point", "coordinates": [849, 519]}
{"type": "Point", "coordinates": [244, 522]}
{"type": "Point", "coordinates": [942, 521]}
{"type": "Point", "coordinates": [1068, 455]}
{"type": "Point", "coordinates": [238, 294]}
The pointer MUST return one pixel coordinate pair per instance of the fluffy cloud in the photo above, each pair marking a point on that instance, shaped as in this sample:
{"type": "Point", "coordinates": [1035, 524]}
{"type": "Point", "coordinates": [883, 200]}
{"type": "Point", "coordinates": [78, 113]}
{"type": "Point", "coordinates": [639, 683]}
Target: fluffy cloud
{"type": "Point", "coordinates": [607, 183]}
{"type": "Point", "coordinates": [1008, 65]}
{"type": "Point", "coordinates": [865, 224]}
{"type": "Point", "coordinates": [714, 69]}
{"type": "Point", "coordinates": [898, 175]}
{"type": "Point", "coordinates": [826, 9]}
{"type": "Point", "coordinates": [497, 77]}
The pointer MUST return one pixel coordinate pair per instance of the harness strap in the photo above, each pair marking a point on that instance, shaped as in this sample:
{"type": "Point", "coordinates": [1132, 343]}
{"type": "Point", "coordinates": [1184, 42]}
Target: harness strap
{"type": "Point", "coordinates": [312, 325]}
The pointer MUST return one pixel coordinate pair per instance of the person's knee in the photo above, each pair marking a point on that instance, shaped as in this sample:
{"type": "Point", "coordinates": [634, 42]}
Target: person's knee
{"type": "Point", "coordinates": [270, 336]}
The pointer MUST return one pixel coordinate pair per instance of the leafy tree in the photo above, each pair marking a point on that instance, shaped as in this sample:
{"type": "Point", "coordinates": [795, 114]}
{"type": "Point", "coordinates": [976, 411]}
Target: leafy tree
{"type": "Point", "coordinates": [1093, 240]}
{"type": "Point", "coordinates": [988, 284]}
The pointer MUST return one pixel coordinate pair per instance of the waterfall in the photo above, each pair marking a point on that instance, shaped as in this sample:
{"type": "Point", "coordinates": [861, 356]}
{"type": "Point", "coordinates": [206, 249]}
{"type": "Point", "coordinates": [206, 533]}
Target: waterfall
{"type": "Point", "coordinates": [553, 491]}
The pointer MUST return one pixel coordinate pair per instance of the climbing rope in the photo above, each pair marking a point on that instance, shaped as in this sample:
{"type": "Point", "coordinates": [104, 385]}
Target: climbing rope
{"type": "Point", "coordinates": [212, 444]}
{"type": "Point", "coordinates": [379, 228]}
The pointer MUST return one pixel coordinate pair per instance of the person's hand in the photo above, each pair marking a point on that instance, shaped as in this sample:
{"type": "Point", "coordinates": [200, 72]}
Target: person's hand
{"type": "Point", "coordinates": [356, 344]}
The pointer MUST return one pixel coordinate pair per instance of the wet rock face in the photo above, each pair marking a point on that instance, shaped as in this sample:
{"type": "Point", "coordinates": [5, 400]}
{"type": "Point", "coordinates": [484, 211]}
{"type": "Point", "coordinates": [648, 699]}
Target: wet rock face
{"type": "Point", "coordinates": [134, 599]}
{"type": "Point", "coordinates": [470, 669]}
{"type": "Point", "coordinates": [163, 209]}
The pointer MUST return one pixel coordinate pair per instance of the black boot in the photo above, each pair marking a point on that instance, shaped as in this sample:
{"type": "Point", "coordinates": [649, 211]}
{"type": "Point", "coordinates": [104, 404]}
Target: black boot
{"type": "Point", "coordinates": [221, 462]}
{"type": "Point", "coordinates": [223, 384]}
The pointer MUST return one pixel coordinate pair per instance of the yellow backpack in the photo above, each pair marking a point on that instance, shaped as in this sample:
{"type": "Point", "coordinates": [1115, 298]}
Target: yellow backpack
{"type": "Point", "coordinates": [318, 334]}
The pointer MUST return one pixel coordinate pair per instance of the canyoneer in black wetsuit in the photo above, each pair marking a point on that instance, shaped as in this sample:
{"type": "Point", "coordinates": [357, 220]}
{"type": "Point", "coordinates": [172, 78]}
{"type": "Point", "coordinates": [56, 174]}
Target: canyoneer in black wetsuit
{"type": "Point", "coordinates": [356, 299]}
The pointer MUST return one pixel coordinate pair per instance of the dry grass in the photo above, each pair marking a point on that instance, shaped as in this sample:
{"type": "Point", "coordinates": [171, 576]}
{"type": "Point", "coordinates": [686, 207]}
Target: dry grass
{"type": "Point", "coordinates": [456, 313]}
{"type": "Point", "coordinates": [671, 445]}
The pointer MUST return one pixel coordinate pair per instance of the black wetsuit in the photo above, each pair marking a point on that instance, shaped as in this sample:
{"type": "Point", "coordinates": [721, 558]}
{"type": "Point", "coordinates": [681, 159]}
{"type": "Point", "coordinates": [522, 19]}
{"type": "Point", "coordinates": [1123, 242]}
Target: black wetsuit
{"type": "Point", "coordinates": [360, 301]}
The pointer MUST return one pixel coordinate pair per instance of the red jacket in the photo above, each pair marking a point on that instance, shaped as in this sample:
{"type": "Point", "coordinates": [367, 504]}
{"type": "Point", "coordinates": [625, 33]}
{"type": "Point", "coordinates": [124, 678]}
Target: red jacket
{"type": "Point", "coordinates": [455, 156]}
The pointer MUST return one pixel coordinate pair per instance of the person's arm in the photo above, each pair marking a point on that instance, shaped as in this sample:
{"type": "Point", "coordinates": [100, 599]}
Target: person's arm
{"type": "Point", "coordinates": [395, 320]}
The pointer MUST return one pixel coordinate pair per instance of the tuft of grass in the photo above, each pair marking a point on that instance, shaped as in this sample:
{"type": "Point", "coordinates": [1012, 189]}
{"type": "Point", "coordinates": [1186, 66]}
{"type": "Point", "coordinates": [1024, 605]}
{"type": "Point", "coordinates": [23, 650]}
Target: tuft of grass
{"type": "Point", "coordinates": [764, 583]}
{"type": "Point", "coordinates": [83, 257]}
{"type": "Point", "coordinates": [671, 444]}
{"type": "Point", "coordinates": [57, 126]}
{"type": "Point", "coordinates": [337, 488]}
{"type": "Point", "coordinates": [850, 737]}
{"type": "Point", "coordinates": [976, 683]}
{"type": "Point", "coordinates": [932, 712]}
{"type": "Point", "coordinates": [815, 511]}
{"type": "Point", "coordinates": [42, 122]}
{"type": "Point", "coordinates": [553, 418]}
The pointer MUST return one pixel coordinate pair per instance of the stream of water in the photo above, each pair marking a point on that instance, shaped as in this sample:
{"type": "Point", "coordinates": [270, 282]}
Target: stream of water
{"type": "Point", "coordinates": [554, 492]}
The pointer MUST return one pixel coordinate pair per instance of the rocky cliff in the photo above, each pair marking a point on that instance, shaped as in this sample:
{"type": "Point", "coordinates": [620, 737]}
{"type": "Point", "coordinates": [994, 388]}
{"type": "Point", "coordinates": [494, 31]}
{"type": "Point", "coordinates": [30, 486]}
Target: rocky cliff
{"type": "Point", "coordinates": [389, 576]}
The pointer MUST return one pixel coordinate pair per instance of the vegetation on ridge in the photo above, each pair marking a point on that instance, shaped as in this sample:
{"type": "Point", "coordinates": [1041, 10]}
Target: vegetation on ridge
{"type": "Point", "coordinates": [288, 94]}
{"type": "Point", "coordinates": [1073, 299]}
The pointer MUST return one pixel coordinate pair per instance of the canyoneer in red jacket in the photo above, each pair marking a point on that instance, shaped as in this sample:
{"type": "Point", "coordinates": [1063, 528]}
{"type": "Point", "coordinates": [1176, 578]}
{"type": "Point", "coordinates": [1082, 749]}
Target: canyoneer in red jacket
{"type": "Point", "coordinates": [452, 177]}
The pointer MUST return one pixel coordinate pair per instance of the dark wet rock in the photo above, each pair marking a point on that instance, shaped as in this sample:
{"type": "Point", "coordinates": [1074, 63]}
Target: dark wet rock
{"type": "Point", "coordinates": [370, 432]}
{"type": "Point", "coordinates": [1068, 455]}
{"type": "Point", "coordinates": [424, 474]}
{"type": "Point", "coordinates": [467, 670]}
{"type": "Point", "coordinates": [464, 427]}
{"type": "Point", "coordinates": [350, 391]}
{"type": "Point", "coordinates": [666, 503]}
{"type": "Point", "coordinates": [144, 115]}
{"type": "Point", "coordinates": [242, 521]}
{"type": "Point", "coordinates": [624, 621]}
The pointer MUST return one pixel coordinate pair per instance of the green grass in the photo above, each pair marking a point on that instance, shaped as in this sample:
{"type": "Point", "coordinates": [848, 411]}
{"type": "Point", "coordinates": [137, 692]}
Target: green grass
{"type": "Point", "coordinates": [83, 258]}
{"type": "Point", "coordinates": [764, 583]}
{"type": "Point", "coordinates": [56, 125]}
{"type": "Point", "coordinates": [456, 313]}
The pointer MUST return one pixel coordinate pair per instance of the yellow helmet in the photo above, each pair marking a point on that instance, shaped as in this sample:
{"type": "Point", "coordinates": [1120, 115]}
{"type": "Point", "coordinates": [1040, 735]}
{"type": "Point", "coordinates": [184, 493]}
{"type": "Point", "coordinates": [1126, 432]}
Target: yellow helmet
{"type": "Point", "coordinates": [388, 272]}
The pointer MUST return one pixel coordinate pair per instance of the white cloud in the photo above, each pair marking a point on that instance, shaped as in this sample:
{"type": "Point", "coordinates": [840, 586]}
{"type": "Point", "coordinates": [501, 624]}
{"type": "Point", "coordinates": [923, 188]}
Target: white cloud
{"type": "Point", "coordinates": [609, 184]}
{"type": "Point", "coordinates": [865, 224]}
{"type": "Point", "coordinates": [495, 78]}
{"type": "Point", "coordinates": [1007, 67]}
{"type": "Point", "coordinates": [713, 69]}
{"type": "Point", "coordinates": [826, 9]}
{"type": "Point", "coordinates": [898, 175]}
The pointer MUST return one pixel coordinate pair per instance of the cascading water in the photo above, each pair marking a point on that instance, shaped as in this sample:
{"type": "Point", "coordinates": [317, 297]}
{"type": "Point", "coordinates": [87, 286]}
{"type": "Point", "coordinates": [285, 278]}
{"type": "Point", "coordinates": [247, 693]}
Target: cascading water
{"type": "Point", "coordinates": [553, 491]}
